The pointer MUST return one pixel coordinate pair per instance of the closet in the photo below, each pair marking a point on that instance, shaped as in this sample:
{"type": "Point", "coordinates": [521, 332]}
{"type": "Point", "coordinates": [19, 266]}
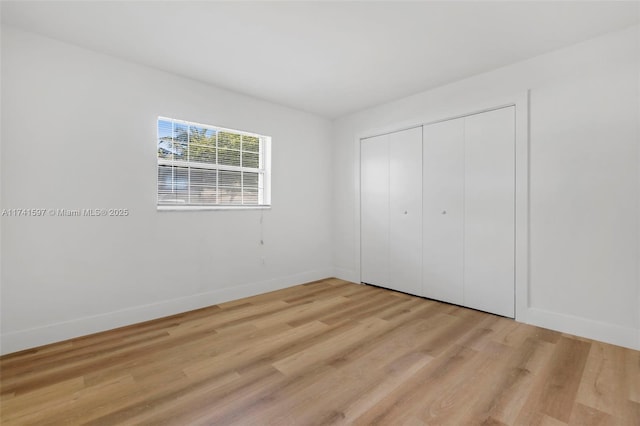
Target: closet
{"type": "Point", "coordinates": [391, 210]}
{"type": "Point", "coordinates": [469, 211]}
{"type": "Point", "coordinates": [438, 211]}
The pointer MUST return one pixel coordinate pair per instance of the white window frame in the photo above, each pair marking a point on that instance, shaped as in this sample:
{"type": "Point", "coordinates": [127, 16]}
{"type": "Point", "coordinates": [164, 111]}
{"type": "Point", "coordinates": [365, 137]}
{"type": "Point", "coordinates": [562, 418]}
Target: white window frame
{"type": "Point", "coordinates": [264, 172]}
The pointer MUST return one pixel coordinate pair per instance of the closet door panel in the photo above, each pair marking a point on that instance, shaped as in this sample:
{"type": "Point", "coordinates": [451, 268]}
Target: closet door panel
{"type": "Point", "coordinates": [443, 202]}
{"type": "Point", "coordinates": [405, 210]}
{"type": "Point", "coordinates": [374, 210]}
{"type": "Point", "coordinates": [489, 212]}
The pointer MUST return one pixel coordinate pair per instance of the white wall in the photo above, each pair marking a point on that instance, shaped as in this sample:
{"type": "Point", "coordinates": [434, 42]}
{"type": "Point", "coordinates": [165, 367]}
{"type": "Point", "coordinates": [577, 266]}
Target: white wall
{"type": "Point", "coordinates": [584, 179]}
{"type": "Point", "coordinates": [78, 131]}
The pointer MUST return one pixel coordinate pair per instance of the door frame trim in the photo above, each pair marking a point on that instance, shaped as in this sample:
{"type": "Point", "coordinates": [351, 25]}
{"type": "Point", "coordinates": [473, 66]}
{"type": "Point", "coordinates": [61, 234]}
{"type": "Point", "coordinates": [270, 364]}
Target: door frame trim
{"type": "Point", "coordinates": [521, 102]}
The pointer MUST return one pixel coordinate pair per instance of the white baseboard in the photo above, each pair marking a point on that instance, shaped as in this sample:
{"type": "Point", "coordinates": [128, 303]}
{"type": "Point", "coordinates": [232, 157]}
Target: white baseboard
{"type": "Point", "coordinates": [38, 336]}
{"type": "Point", "coordinates": [605, 332]}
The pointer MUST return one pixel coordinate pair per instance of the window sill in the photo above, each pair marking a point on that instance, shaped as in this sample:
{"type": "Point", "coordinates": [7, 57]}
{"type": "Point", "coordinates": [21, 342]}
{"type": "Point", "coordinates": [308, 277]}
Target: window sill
{"type": "Point", "coordinates": [209, 208]}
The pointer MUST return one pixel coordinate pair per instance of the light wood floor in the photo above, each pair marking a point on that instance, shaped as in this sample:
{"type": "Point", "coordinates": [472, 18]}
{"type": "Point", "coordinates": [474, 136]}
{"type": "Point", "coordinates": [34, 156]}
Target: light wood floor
{"type": "Point", "coordinates": [329, 352]}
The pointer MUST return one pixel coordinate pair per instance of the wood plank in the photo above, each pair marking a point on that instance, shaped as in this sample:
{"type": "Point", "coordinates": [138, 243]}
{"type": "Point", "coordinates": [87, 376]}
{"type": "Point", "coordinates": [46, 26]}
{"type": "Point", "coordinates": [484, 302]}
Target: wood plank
{"type": "Point", "coordinates": [588, 416]}
{"type": "Point", "coordinates": [567, 368]}
{"type": "Point", "coordinates": [632, 369]}
{"type": "Point", "coordinates": [504, 396]}
{"type": "Point", "coordinates": [556, 395]}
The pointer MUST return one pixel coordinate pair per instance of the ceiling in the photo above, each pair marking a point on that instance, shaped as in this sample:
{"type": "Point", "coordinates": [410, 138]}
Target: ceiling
{"type": "Point", "coordinates": [327, 58]}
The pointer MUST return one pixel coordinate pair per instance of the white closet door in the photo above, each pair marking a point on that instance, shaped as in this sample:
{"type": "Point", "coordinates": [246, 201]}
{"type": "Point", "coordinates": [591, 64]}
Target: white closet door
{"type": "Point", "coordinates": [374, 210]}
{"type": "Point", "coordinates": [489, 211]}
{"type": "Point", "coordinates": [443, 209]}
{"type": "Point", "coordinates": [405, 211]}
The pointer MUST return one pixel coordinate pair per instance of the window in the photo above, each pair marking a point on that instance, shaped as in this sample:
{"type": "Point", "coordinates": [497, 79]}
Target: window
{"type": "Point", "coordinates": [201, 165]}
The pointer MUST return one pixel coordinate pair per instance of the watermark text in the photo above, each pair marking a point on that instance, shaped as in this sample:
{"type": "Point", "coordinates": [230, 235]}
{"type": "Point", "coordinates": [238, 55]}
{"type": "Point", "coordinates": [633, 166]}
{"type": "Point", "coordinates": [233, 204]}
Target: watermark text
{"type": "Point", "coordinates": [32, 212]}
